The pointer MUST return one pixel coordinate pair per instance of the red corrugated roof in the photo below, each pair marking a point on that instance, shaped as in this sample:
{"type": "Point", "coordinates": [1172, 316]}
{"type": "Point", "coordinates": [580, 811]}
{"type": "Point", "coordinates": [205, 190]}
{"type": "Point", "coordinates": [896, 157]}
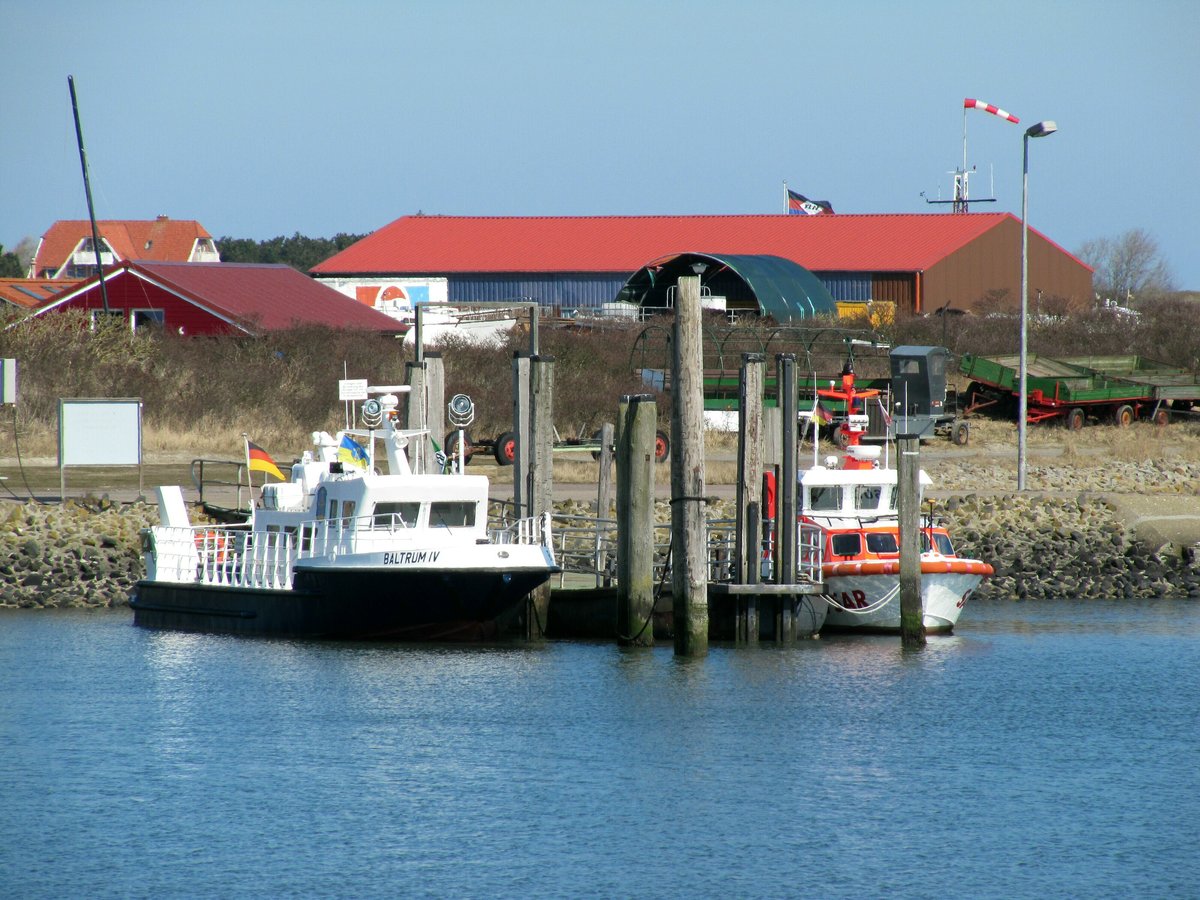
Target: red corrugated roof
{"type": "Point", "coordinates": [828, 243]}
{"type": "Point", "coordinates": [162, 239]}
{"type": "Point", "coordinates": [255, 297]}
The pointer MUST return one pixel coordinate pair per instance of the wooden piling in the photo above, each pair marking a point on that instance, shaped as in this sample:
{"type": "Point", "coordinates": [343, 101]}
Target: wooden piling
{"type": "Point", "coordinates": [785, 493]}
{"type": "Point", "coordinates": [521, 455]}
{"type": "Point", "coordinates": [689, 552]}
{"type": "Point", "coordinates": [749, 491]}
{"type": "Point", "coordinates": [604, 485]}
{"type": "Point", "coordinates": [908, 473]}
{"type": "Point", "coordinates": [435, 406]}
{"type": "Point", "coordinates": [635, 437]}
{"type": "Point", "coordinates": [414, 410]}
{"type": "Point", "coordinates": [541, 470]}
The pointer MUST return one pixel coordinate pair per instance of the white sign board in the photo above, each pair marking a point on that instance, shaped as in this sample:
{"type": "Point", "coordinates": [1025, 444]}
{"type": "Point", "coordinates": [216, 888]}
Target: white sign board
{"type": "Point", "coordinates": [352, 389]}
{"type": "Point", "coordinates": [99, 432]}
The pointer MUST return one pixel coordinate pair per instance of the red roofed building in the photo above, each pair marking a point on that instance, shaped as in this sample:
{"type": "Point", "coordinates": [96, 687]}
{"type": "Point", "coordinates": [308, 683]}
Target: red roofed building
{"type": "Point", "coordinates": [66, 250]}
{"type": "Point", "coordinates": [919, 262]}
{"type": "Point", "coordinates": [218, 299]}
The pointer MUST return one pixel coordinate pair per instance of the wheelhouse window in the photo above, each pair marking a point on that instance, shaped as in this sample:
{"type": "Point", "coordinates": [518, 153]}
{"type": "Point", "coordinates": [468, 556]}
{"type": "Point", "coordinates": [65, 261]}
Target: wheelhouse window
{"type": "Point", "coordinates": [452, 514]}
{"type": "Point", "coordinates": [395, 515]}
{"type": "Point", "coordinates": [867, 497]}
{"type": "Point", "coordinates": [824, 497]}
{"type": "Point", "coordinates": [882, 542]}
{"type": "Point", "coordinates": [845, 545]}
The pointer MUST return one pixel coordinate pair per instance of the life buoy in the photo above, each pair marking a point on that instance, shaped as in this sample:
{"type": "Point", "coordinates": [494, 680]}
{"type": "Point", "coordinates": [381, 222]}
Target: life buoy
{"type": "Point", "coordinates": [214, 543]}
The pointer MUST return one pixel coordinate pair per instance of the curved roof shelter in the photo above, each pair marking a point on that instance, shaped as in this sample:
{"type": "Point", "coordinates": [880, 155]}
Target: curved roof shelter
{"type": "Point", "coordinates": [750, 283]}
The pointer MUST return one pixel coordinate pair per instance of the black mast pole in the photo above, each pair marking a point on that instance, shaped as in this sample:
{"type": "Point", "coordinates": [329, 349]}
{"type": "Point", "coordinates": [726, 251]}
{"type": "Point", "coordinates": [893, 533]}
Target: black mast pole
{"type": "Point", "coordinates": [87, 189]}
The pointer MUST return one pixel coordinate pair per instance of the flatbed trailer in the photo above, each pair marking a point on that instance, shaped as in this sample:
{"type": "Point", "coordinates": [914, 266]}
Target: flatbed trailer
{"type": "Point", "coordinates": [1119, 389]}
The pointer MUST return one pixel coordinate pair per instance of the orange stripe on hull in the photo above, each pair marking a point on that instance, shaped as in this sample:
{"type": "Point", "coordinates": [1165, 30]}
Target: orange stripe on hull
{"type": "Point", "coordinates": [892, 567]}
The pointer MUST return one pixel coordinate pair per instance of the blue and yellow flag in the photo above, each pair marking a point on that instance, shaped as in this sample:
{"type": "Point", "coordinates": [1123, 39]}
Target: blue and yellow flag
{"type": "Point", "coordinates": [352, 452]}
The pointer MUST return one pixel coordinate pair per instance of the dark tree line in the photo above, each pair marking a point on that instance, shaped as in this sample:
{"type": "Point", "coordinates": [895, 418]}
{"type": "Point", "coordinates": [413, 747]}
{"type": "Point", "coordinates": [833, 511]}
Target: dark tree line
{"type": "Point", "coordinates": [297, 251]}
{"type": "Point", "coordinates": [10, 264]}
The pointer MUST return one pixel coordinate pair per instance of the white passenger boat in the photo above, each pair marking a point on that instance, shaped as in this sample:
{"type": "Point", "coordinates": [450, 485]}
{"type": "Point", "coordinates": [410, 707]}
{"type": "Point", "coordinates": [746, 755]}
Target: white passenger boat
{"type": "Point", "coordinates": [341, 551]}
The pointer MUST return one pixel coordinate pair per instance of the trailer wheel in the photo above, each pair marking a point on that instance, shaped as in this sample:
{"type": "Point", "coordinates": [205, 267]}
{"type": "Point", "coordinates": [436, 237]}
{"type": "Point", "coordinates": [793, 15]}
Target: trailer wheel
{"type": "Point", "coordinates": [960, 434]}
{"type": "Point", "coordinates": [1161, 417]}
{"type": "Point", "coordinates": [451, 446]}
{"type": "Point", "coordinates": [1075, 419]}
{"type": "Point", "coordinates": [662, 447]}
{"type": "Point", "coordinates": [505, 449]}
{"type": "Point", "coordinates": [841, 437]}
{"type": "Point", "coordinates": [1123, 417]}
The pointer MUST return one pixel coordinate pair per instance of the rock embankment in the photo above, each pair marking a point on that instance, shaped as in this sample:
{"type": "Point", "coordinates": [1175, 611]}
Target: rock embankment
{"type": "Point", "coordinates": [1073, 535]}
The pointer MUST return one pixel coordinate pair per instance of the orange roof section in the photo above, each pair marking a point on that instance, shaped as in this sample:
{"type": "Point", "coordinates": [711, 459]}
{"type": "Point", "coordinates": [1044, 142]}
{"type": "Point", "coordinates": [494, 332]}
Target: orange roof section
{"type": "Point", "coordinates": [30, 293]}
{"type": "Point", "coordinates": [162, 239]}
{"type": "Point", "coordinates": [425, 244]}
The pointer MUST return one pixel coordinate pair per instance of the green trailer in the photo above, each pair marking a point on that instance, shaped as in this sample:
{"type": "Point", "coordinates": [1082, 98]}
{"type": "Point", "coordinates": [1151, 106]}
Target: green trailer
{"type": "Point", "coordinates": [1119, 389]}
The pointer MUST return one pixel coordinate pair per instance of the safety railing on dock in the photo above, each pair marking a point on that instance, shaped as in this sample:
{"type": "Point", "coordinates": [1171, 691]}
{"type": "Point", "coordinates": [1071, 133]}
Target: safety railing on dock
{"type": "Point", "coordinates": [587, 546]}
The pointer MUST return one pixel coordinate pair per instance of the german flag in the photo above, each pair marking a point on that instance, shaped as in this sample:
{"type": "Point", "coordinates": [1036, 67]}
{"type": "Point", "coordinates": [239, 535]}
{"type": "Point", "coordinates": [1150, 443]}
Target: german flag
{"type": "Point", "coordinates": [259, 460]}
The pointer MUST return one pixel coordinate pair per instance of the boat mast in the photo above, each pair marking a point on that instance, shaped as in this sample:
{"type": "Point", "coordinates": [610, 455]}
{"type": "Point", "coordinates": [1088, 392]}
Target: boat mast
{"type": "Point", "coordinates": [87, 189]}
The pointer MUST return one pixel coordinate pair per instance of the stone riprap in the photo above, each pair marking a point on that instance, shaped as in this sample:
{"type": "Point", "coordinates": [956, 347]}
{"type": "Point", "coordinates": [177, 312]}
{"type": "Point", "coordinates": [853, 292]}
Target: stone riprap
{"type": "Point", "coordinates": [1071, 535]}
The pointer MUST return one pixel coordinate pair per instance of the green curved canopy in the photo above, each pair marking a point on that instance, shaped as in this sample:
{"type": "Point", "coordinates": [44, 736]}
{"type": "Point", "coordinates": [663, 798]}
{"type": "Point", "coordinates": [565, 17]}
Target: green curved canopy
{"type": "Point", "coordinates": [782, 289]}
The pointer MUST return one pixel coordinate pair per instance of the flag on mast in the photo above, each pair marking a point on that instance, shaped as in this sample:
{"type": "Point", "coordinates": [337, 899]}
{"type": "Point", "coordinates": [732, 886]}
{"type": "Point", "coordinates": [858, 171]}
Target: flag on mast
{"type": "Point", "coordinates": [259, 460]}
{"type": "Point", "coordinates": [799, 205]}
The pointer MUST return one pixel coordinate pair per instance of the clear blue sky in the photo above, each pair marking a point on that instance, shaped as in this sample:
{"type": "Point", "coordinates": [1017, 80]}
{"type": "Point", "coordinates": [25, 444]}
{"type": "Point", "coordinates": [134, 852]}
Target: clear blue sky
{"type": "Point", "coordinates": [267, 118]}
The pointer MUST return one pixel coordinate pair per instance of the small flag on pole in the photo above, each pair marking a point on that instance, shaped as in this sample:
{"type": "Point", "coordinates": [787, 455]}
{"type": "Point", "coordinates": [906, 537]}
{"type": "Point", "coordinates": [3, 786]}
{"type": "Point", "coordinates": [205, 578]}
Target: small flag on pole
{"type": "Point", "coordinates": [821, 414]}
{"type": "Point", "coordinates": [259, 460]}
{"type": "Point", "coordinates": [352, 452]}
{"type": "Point", "coordinates": [799, 205]}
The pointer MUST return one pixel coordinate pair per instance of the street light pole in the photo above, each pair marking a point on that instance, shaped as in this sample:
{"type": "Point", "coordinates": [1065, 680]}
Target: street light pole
{"type": "Point", "coordinates": [1041, 129]}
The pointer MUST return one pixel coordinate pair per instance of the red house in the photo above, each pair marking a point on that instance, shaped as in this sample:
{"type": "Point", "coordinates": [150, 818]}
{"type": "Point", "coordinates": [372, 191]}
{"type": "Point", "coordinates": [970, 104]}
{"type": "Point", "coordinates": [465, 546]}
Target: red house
{"type": "Point", "coordinates": [218, 298]}
{"type": "Point", "coordinates": [67, 251]}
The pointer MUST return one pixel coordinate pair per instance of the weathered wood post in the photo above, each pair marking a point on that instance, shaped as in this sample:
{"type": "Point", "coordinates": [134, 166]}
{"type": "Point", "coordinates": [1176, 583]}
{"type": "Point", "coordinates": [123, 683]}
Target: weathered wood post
{"type": "Point", "coordinates": [785, 492]}
{"type": "Point", "coordinates": [636, 426]}
{"type": "Point", "coordinates": [689, 550]}
{"type": "Point", "coordinates": [414, 412]}
{"type": "Point", "coordinates": [521, 455]}
{"type": "Point", "coordinates": [604, 487]}
{"type": "Point", "coordinates": [435, 406]}
{"type": "Point", "coordinates": [749, 491]}
{"type": "Point", "coordinates": [541, 470]}
{"type": "Point", "coordinates": [908, 474]}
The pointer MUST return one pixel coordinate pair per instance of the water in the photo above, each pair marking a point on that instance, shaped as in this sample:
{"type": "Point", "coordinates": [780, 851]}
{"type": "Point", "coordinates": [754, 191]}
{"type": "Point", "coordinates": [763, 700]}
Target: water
{"type": "Point", "coordinates": [1045, 750]}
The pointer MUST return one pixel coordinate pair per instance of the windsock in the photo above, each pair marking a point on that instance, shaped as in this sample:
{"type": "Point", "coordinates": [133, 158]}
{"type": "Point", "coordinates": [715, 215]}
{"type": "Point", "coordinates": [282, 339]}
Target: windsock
{"type": "Point", "coordinates": [987, 107]}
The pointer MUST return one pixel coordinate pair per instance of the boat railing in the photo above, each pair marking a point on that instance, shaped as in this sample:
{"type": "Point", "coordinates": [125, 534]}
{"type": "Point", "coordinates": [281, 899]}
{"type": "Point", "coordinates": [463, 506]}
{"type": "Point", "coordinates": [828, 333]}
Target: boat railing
{"type": "Point", "coordinates": [529, 530]}
{"type": "Point", "coordinates": [224, 556]}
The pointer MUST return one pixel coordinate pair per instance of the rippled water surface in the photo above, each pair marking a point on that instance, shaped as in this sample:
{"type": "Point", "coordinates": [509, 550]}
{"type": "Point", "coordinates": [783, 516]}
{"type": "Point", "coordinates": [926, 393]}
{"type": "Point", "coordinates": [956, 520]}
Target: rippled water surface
{"type": "Point", "coordinates": [1044, 750]}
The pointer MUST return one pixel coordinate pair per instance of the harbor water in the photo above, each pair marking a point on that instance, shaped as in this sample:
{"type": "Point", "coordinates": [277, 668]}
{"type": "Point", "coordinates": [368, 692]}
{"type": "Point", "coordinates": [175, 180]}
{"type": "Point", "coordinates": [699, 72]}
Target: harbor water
{"type": "Point", "coordinates": [1045, 749]}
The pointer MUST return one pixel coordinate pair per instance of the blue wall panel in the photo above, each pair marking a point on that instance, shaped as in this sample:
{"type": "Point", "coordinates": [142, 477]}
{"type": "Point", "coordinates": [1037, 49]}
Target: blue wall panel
{"type": "Point", "coordinates": [848, 286]}
{"type": "Point", "coordinates": [552, 290]}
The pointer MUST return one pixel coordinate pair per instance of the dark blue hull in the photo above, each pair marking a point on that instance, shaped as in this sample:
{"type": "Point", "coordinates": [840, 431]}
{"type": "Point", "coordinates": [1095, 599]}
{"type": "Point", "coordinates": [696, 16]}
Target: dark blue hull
{"type": "Point", "coordinates": [357, 604]}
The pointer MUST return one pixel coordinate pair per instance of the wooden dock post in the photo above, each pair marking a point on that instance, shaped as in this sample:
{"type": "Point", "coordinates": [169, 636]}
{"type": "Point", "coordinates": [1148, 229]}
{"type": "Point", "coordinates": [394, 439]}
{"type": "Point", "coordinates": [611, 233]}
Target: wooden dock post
{"type": "Point", "coordinates": [785, 492]}
{"type": "Point", "coordinates": [908, 473]}
{"type": "Point", "coordinates": [636, 426]}
{"type": "Point", "coordinates": [521, 454]}
{"type": "Point", "coordinates": [689, 550]}
{"type": "Point", "coordinates": [749, 490]}
{"type": "Point", "coordinates": [541, 471]}
{"type": "Point", "coordinates": [435, 406]}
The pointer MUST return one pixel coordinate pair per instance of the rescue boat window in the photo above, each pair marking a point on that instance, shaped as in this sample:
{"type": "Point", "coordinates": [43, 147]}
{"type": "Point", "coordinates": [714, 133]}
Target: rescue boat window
{"type": "Point", "coordinates": [845, 545]}
{"type": "Point", "coordinates": [452, 514]}
{"type": "Point", "coordinates": [882, 542]}
{"type": "Point", "coordinates": [824, 497]}
{"type": "Point", "coordinates": [866, 496]}
{"type": "Point", "coordinates": [395, 515]}
{"type": "Point", "coordinates": [943, 544]}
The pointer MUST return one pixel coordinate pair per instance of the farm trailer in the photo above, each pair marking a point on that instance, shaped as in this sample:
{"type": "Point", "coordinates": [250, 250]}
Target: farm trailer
{"type": "Point", "coordinates": [1119, 389]}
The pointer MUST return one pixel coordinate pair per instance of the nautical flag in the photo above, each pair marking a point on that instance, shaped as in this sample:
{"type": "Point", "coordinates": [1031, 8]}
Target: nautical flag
{"type": "Point", "coordinates": [259, 460]}
{"type": "Point", "coordinates": [438, 456]}
{"type": "Point", "coordinates": [352, 452]}
{"type": "Point", "coordinates": [820, 412]}
{"type": "Point", "coordinates": [799, 205]}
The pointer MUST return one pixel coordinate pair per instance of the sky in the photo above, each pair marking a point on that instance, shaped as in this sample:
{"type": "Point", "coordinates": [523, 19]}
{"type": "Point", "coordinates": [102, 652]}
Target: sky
{"type": "Point", "coordinates": [261, 118]}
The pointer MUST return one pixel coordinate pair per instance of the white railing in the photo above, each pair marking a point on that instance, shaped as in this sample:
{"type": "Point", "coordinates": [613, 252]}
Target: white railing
{"type": "Point", "coordinates": [230, 557]}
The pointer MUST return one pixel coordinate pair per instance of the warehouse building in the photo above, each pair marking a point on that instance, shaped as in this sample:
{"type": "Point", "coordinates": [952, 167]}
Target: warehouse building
{"type": "Point", "coordinates": [917, 263]}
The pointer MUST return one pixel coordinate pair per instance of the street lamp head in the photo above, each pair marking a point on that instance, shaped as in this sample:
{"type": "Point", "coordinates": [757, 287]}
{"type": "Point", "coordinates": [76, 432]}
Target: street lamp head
{"type": "Point", "coordinates": [1041, 129]}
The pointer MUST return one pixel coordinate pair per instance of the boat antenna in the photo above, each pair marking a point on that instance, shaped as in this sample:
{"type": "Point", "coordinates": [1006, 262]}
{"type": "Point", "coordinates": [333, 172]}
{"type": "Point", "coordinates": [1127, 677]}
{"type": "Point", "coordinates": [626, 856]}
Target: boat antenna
{"type": "Point", "coordinates": [87, 189]}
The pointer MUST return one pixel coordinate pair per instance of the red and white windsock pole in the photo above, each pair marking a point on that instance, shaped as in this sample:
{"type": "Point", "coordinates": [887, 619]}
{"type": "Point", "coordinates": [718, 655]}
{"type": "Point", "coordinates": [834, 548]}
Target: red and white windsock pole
{"type": "Point", "coordinates": [960, 200]}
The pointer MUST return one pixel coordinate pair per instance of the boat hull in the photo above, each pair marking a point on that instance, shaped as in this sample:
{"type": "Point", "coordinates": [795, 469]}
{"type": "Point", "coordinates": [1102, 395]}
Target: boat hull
{"type": "Point", "coordinates": [870, 602]}
{"type": "Point", "coordinates": [354, 604]}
